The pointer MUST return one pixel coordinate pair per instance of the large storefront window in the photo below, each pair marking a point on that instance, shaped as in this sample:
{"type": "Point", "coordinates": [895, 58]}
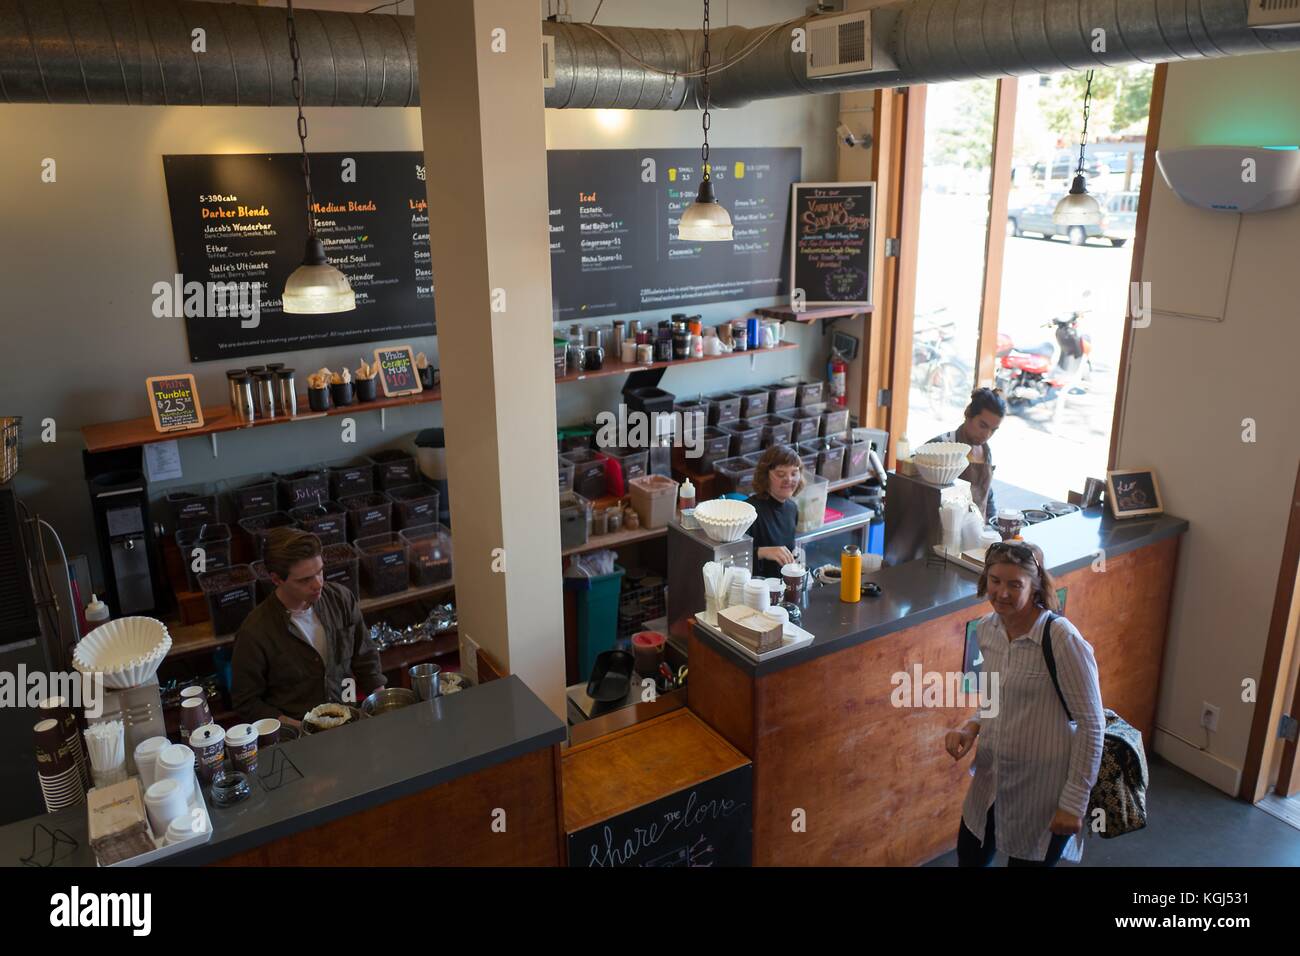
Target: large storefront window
{"type": "Point", "coordinates": [950, 263]}
{"type": "Point", "coordinates": [1064, 289]}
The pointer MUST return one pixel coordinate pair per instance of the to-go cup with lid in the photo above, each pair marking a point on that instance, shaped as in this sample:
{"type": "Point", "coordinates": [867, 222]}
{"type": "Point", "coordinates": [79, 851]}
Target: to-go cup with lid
{"type": "Point", "coordinates": [175, 762]}
{"type": "Point", "coordinates": [209, 746]}
{"type": "Point", "coordinates": [145, 756]}
{"type": "Point", "coordinates": [241, 747]}
{"type": "Point", "coordinates": [164, 801]}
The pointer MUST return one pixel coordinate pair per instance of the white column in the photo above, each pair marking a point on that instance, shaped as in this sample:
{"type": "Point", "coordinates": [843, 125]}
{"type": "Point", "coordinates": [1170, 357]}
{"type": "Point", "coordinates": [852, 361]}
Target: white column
{"type": "Point", "coordinates": [485, 151]}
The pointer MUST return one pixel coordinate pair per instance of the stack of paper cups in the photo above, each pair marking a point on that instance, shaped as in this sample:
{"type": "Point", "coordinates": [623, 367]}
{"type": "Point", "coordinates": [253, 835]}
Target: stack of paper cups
{"type": "Point", "coordinates": [56, 767]}
{"type": "Point", "coordinates": [59, 709]}
{"type": "Point", "coordinates": [164, 802]}
{"type": "Point", "coordinates": [756, 594]}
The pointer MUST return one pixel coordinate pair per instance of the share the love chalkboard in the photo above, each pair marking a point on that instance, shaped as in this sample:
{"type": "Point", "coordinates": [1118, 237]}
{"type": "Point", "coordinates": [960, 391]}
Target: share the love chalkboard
{"type": "Point", "coordinates": [710, 824]}
{"type": "Point", "coordinates": [832, 243]}
{"type": "Point", "coordinates": [174, 403]}
{"type": "Point", "coordinates": [397, 372]}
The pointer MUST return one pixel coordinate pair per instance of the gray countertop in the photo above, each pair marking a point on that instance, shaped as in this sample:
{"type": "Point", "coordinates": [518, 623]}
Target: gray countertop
{"type": "Point", "coordinates": [341, 772]}
{"type": "Point", "coordinates": [918, 591]}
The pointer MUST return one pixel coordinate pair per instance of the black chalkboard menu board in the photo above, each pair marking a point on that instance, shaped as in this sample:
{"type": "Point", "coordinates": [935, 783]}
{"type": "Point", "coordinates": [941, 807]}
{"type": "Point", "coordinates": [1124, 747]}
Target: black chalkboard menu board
{"type": "Point", "coordinates": [397, 371]}
{"type": "Point", "coordinates": [613, 228]}
{"type": "Point", "coordinates": [833, 239]}
{"type": "Point", "coordinates": [710, 824]}
{"type": "Point", "coordinates": [174, 402]}
{"type": "Point", "coordinates": [243, 218]}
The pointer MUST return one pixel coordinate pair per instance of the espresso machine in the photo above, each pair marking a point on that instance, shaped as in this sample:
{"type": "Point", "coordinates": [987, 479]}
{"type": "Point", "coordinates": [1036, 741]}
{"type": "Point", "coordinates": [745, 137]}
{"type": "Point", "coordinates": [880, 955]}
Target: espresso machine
{"type": "Point", "coordinates": [688, 551]}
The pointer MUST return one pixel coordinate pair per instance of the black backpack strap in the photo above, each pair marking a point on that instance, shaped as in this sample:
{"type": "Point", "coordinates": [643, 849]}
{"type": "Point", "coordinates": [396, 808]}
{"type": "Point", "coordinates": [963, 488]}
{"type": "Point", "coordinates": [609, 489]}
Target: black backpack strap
{"type": "Point", "coordinates": [1050, 657]}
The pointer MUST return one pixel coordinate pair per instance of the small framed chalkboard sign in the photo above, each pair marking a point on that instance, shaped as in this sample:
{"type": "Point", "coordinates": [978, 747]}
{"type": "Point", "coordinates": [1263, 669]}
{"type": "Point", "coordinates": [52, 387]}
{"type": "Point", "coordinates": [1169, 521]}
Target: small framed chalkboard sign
{"type": "Point", "coordinates": [174, 403]}
{"type": "Point", "coordinates": [833, 243]}
{"type": "Point", "coordinates": [1133, 492]}
{"type": "Point", "coordinates": [397, 371]}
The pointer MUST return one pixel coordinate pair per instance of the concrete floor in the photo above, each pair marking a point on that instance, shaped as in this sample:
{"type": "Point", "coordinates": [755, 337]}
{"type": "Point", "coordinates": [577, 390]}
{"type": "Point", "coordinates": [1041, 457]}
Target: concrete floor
{"type": "Point", "coordinates": [1189, 823]}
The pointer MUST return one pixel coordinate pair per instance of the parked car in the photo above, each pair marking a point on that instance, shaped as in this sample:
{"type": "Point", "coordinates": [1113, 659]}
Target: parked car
{"type": "Point", "coordinates": [1119, 219]}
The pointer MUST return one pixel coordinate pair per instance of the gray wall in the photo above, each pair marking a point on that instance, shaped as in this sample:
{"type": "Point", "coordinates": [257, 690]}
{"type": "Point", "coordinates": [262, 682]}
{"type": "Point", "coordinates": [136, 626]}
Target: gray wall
{"type": "Point", "coordinates": [80, 257]}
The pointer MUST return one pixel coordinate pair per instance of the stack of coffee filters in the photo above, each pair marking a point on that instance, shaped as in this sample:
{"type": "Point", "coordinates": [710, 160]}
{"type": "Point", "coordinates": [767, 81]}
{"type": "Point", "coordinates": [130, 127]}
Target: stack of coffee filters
{"type": "Point", "coordinates": [106, 743]}
{"type": "Point", "coordinates": [56, 766]}
{"type": "Point", "coordinates": [61, 710]}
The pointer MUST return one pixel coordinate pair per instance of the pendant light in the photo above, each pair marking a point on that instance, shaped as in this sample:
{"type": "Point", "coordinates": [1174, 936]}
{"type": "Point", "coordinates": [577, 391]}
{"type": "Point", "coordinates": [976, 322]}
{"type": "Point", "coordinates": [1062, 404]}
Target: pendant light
{"type": "Point", "coordinates": [704, 220]}
{"type": "Point", "coordinates": [1076, 207]}
{"type": "Point", "coordinates": [315, 287]}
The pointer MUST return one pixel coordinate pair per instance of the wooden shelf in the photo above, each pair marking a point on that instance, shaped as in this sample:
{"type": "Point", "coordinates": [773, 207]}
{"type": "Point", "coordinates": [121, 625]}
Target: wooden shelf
{"type": "Point", "coordinates": [787, 314]}
{"type": "Point", "coordinates": [193, 638]}
{"type": "Point", "coordinates": [616, 540]}
{"type": "Point", "coordinates": [110, 436]}
{"type": "Point", "coordinates": [625, 368]}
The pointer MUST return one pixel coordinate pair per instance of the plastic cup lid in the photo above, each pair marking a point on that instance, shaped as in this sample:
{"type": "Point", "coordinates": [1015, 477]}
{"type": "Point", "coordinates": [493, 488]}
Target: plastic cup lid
{"type": "Point", "coordinates": [152, 745]}
{"type": "Point", "coordinates": [161, 790]}
{"type": "Point", "coordinates": [207, 735]}
{"type": "Point", "coordinates": [44, 725]}
{"type": "Point", "coordinates": [194, 690]}
{"type": "Point", "coordinates": [240, 734]}
{"type": "Point", "coordinates": [267, 725]}
{"type": "Point", "coordinates": [175, 757]}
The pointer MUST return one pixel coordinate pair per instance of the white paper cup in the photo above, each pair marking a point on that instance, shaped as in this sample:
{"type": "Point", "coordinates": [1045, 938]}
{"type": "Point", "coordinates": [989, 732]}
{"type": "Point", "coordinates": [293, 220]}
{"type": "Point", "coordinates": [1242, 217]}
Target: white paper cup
{"type": "Point", "coordinates": [176, 762]}
{"type": "Point", "coordinates": [872, 562]}
{"type": "Point", "coordinates": [779, 613]}
{"type": "Point", "coordinates": [146, 759]}
{"type": "Point", "coordinates": [164, 802]}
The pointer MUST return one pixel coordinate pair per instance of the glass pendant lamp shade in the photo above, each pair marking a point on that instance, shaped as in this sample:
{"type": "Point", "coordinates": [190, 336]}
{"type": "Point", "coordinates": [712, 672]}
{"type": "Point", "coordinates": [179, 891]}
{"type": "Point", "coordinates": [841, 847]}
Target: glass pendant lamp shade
{"type": "Point", "coordinates": [316, 287]}
{"type": "Point", "coordinates": [704, 220]}
{"type": "Point", "coordinates": [1077, 208]}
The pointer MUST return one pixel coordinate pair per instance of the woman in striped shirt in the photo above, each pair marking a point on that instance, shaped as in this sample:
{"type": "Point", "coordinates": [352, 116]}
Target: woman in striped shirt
{"type": "Point", "coordinates": [1034, 770]}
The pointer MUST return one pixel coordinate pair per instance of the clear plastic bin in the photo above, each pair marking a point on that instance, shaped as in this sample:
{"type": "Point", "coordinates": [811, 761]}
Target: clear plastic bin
{"type": "Point", "coordinates": [588, 472]}
{"type": "Point", "coordinates": [754, 402]}
{"type": "Point", "coordinates": [368, 514]}
{"type": "Point", "coordinates": [857, 461]}
{"type": "Point", "coordinates": [414, 505]}
{"type": "Point", "coordinates": [806, 424]}
{"type": "Point", "coordinates": [835, 422]}
{"type": "Point", "coordinates": [259, 527]}
{"type": "Point", "coordinates": [783, 397]}
{"type": "Point", "coordinates": [351, 478]}
{"type": "Point", "coordinates": [830, 458]}
{"type": "Point", "coordinates": [776, 430]}
{"type": "Point", "coordinates": [251, 495]}
{"type": "Point", "coordinates": [661, 461]}
{"type": "Point", "coordinates": [566, 475]}
{"type": "Point", "coordinates": [575, 520]}
{"type": "Point", "coordinates": [394, 468]}
{"type": "Point", "coordinates": [735, 474]}
{"type": "Point", "coordinates": [214, 539]}
{"type": "Point", "coordinates": [812, 503]}
{"type": "Point", "coordinates": [384, 565]}
{"type": "Point", "coordinates": [192, 506]}
{"type": "Point", "coordinates": [713, 445]}
{"type": "Point", "coordinates": [342, 564]}
{"type": "Point", "coordinates": [746, 438]}
{"type": "Point", "coordinates": [723, 407]}
{"type": "Point", "coordinates": [654, 499]}
{"type": "Point", "coordinates": [428, 548]}
{"type": "Point", "coordinates": [625, 464]}
{"type": "Point", "coordinates": [327, 521]}
{"type": "Point", "coordinates": [306, 487]}
{"type": "Point", "coordinates": [231, 594]}
{"type": "Point", "coordinates": [693, 415]}
{"type": "Point", "coordinates": [810, 393]}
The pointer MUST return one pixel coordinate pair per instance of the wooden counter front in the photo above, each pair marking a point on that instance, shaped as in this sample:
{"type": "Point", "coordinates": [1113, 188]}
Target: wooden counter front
{"type": "Point", "coordinates": [874, 782]}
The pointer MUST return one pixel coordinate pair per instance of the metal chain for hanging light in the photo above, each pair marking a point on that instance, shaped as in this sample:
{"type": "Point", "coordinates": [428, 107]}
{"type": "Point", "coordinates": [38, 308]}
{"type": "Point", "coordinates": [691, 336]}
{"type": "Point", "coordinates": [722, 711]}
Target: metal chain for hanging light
{"type": "Point", "coordinates": [1077, 208]}
{"type": "Point", "coordinates": [315, 287]}
{"type": "Point", "coordinates": [704, 220]}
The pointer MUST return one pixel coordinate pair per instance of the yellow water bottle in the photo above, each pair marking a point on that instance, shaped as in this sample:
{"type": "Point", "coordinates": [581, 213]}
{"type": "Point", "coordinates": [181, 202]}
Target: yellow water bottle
{"type": "Point", "coordinates": [851, 574]}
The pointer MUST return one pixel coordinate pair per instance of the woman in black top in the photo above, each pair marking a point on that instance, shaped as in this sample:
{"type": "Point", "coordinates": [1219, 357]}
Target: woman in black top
{"type": "Point", "coordinates": [778, 479]}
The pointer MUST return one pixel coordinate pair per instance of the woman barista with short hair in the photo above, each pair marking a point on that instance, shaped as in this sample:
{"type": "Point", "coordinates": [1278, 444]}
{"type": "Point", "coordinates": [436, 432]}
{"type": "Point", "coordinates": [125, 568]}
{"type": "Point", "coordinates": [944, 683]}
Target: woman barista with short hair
{"type": "Point", "coordinates": [778, 478]}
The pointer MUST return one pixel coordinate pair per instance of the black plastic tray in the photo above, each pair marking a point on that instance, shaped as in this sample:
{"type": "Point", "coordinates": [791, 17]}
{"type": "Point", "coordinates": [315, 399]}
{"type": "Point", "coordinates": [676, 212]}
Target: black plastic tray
{"type": "Point", "coordinates": [611, 676]}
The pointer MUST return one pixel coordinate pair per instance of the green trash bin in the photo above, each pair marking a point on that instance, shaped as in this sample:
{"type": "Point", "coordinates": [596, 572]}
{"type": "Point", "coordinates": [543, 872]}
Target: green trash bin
{"type": "Point", "coordinates": [597, 604]}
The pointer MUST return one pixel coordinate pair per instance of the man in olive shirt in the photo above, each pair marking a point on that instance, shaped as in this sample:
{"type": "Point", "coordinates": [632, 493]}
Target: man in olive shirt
{"type": "Point", "coordinates": [297, 648]}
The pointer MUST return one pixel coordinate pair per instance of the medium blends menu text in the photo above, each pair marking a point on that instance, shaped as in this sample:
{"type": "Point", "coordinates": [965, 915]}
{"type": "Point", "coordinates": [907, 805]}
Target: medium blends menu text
{"type": "Point", "coordinates": [243, 219]}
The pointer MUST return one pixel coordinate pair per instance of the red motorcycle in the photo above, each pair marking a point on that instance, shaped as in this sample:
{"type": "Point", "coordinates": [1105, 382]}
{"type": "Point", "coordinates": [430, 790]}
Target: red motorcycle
{"type": "Point", "coordinates": [1033, 375]}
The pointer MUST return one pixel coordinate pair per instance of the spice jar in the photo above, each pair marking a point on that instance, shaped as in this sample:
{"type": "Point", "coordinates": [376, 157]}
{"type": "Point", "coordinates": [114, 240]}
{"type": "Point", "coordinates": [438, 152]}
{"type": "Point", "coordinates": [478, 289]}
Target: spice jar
{"type": "Point", "coordinates": [614, 520]}
{"type": "Point", "coordinates": [600, 521]}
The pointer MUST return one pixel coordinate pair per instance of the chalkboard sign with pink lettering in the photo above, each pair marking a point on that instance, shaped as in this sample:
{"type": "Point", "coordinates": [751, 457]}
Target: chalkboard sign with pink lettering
{"type": "Point", "coordinates": [832, 243]}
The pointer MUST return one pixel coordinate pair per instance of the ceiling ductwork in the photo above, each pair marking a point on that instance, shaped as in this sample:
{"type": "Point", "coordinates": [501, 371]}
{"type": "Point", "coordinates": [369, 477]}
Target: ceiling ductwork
{"type": "Point", "coordinates": [141, 52]}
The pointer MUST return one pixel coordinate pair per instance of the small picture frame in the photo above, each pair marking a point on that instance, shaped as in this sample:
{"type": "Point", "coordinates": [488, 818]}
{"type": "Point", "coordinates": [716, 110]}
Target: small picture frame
{"type": "Point", "coordinates": [1133, 493]}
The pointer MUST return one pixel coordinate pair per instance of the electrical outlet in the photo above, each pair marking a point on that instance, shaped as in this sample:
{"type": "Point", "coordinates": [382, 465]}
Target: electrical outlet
{"type": "Point", "coordinates": [1209, 716]}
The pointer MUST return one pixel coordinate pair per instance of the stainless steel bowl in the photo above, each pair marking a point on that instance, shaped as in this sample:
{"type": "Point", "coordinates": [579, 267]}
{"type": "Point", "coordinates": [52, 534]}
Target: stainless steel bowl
{"type": "Point", "coordinates": [389, 698]}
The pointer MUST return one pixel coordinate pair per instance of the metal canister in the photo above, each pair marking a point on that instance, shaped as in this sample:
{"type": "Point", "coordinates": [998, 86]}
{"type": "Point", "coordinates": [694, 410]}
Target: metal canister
{"type": "Point", "coordinates": [752, 333]}
{"type": "Point", "coordinates": [664, 348]}
{"type": "Point", "coordinates": [264, 391]}
{"type": "Point", "coordinates": [233, 376]}
{"type": "Point", "coordinates": [633, 327]}
{"type": "Point", "coordinates": [274, 366]}
{"type": "Point", "coordinates": [286, 391]}
{"type": "Point", "coordinates": [616, 345]}
{"type": "Point", "coordinates": [681, 344]}
{"type": "Point", "coordinates": [245, 410]}
{"type": "Point", "coordinates": [739, 337]}
{"type": "Point", "coordinates": [593, 337]}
